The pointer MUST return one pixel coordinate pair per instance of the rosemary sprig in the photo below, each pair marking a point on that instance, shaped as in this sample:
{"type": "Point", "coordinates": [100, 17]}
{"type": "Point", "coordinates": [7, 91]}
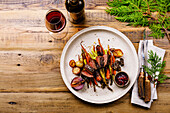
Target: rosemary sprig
{"type": "Point", "coordinates": [151, 13]}
{"type": "Point", "coordinates": [156, 69]}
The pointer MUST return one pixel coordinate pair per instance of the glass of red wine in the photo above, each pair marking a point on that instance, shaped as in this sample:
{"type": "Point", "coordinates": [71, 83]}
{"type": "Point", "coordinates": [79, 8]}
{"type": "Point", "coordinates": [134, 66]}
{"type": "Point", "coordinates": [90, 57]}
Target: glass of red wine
{"type": "Point", "coordinates": [55, 22]}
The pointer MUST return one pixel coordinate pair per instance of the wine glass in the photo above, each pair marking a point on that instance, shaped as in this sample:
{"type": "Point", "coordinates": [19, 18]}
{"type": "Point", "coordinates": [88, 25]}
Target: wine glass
{"type": "Point", "coordinates": [55, 22]}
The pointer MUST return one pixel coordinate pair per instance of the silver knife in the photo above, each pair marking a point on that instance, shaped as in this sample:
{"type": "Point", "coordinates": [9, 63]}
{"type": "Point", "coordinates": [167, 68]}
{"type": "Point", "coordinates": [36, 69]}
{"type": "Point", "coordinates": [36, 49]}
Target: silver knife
{"type": "Point", "coordinates": [141, 79]}
{"type": "Point", "coordinates": [147, 81]}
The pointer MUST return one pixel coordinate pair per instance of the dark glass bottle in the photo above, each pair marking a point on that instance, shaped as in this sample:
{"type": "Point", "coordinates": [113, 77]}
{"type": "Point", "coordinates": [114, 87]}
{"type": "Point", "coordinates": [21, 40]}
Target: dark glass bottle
{"type": "Point", "coordinates": [75, 10]}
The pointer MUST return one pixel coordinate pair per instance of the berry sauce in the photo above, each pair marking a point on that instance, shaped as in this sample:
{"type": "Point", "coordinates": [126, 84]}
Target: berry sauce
{"type": "Point", "coordinates": [121, 78]}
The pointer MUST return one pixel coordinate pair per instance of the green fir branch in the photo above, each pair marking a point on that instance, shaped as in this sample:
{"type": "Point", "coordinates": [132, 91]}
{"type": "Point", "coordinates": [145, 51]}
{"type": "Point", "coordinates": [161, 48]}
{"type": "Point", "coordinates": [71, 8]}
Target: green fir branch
{"type": "Point", "coordinates": [151, 13]}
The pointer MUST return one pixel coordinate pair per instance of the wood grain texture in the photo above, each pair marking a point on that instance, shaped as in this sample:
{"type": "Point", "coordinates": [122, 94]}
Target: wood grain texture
{"type": "Point", "coordinates": [30, 78]}
{"type": "Point", "coordinates": [63, 102]}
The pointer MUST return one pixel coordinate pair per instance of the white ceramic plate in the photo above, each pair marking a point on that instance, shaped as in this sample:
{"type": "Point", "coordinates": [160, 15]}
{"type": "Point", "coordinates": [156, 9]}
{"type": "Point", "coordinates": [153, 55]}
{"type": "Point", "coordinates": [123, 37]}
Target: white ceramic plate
{"type": "Point", "coordinates": [115, 39]}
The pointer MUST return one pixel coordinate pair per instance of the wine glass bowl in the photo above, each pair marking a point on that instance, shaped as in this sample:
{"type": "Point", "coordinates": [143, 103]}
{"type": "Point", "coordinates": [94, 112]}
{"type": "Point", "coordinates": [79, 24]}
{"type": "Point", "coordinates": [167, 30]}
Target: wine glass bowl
{"type": "Point", "coordinates": [55, 22]}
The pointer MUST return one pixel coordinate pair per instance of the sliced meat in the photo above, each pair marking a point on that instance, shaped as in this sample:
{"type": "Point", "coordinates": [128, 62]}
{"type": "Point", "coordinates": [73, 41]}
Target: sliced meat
{"type": "Point", "coordinates": [106, 57]}
{"type": "Point", "coordinates": [100, 61]}
{"type": "Point", "coordinates": [97, 65]}
{"type": "Point", "coordinates": [99, 50]}
{"type": "Point", "coordinates": [89, 69]}
{"type": "Point", "coordinates": [92, 64]}
{"type": "Point", "coordinates": [85, 73]}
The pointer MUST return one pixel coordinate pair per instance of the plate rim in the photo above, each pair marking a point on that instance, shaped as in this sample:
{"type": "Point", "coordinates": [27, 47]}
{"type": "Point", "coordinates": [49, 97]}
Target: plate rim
{"type": "Point", "coordinates": [73, 38]}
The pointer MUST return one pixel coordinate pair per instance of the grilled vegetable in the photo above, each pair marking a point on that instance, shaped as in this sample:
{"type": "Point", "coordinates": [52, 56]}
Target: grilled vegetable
{"type": "Point", "coordinates": [79, 64]}
{"type": "Point", "coordinates": [103, 75]}
{"type": "Point", "coordinates": [94, 80]}
{"type": "Point", "coordinates": [98, 65]}
{"type": "Point", "coordinates": [111, 74]}
{"type": "Point", "coordinates": [108, 52]}
{"type": "Point", "coordinates": [104, 80]}
{"type": "Point", "coordinates": [72, 63]}
{"type": "Point", "coordinates": [116, 66]}
{"type": "Point", "coordinates": [107, 74]}
{"type": "Point", "coordinates": [93, 51]}
{"type": "Point", "coordinates": [76, 70]}
{"type": "Point", "coordinates": [98, 77]}
{"type": "Point", "coordinates": [86, 54]}
{"type": "Point", "coordinates": [81, 59]}
{"type": "Point", "coordinates": [121, 61]}
{"type": "Point", "coordinates": [114, 72]}
{"type": "Point", "coordinates": [101, 46]}
{"type": "Point", "coordinates": [117, 52]}
{"type": "Point", "coordinates": [77, 83]}
{"type": "Point", "coordinates": [85, 73]}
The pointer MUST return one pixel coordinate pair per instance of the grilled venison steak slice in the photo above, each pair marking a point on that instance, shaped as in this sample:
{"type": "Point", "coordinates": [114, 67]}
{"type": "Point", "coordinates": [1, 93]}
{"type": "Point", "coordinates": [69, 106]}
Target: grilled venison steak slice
{"type": "Point", "coordinates": [106, 57]}
{"type": "Point", "coordinates": [100, 61]}
{"type": "Point", "coordinates": [89, 69]}
{"type": "Point", "coordinates": [85, 73]}
{"type": "Point", "coordinates": [92, 64]}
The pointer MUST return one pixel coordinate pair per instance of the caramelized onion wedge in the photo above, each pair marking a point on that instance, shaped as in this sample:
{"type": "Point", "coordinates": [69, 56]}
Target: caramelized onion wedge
{"type": "Point", "coordinates": [77, 83]}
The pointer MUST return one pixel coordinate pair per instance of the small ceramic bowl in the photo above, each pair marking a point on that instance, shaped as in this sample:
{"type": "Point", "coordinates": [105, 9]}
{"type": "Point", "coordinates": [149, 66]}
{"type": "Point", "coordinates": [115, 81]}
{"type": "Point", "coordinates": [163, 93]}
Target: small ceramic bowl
{"type": "Point", "coordinates": [121, 79]}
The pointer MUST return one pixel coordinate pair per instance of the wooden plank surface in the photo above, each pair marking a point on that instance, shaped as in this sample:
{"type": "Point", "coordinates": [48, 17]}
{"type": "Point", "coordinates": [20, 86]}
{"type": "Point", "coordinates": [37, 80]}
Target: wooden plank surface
{"type": "Point", "coordinates": [30, 79]}
{"type": "Point", "coordinates": [63, 102]}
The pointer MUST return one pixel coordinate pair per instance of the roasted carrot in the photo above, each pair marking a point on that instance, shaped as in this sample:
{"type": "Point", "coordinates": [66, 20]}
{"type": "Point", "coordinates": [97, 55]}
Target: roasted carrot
{"type": "Point", "coordinates": [95, 81]}
{"type": "Point", "coordinates": [109, 50]}
{"type": "Point", "coordinates": [101, 46]}
{"type": "Point", "coordinates": [86, 54]}
{"type": "Point", "coordinates": [114, 72]}
{"type": "Point", "coordinates": [87, 58]}
{"type": "Point", "coordinates": [113, 58]}
{"type": "Point", "coordinates": [99, 78]}
{"type": "Point", "coordinates": [93, 48]}
{"type": "Point", "coordinates": [107, 74]}
{"type": "Point", "coordinates": [104, 80]}
{"type": "Point", "coordinates": [84, 49]}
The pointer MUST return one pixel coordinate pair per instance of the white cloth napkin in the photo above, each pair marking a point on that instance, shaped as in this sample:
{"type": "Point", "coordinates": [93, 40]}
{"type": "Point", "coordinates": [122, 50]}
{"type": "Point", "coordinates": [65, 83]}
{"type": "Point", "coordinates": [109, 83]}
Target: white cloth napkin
{"type": "Point", "coordinates": [135, 98]}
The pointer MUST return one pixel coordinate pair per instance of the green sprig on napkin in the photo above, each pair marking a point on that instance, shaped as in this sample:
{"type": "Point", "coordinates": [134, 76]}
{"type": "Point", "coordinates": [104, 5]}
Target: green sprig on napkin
{"type": "Point", "coordinates": [156, 69]}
